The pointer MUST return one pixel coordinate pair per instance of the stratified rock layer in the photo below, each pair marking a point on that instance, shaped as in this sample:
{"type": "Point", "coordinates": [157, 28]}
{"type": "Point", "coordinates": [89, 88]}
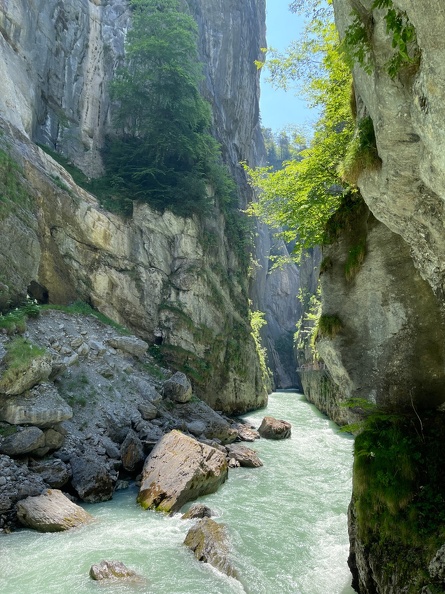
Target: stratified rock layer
{"type": "Point", "coordinates": [178, 470]}
{"type": "Point", "coordinates": [156, 272]}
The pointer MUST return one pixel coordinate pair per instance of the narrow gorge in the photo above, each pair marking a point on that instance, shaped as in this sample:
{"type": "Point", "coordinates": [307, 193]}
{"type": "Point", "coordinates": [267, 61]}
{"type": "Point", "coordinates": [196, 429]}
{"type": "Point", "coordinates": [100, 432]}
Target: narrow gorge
{"type": "Point", "coordinates": [119, 328]}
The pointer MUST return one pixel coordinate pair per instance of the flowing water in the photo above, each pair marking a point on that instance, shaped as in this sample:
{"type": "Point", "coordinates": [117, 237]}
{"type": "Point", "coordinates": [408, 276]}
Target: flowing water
{"type": "Point", "coordinates": [286, 521]}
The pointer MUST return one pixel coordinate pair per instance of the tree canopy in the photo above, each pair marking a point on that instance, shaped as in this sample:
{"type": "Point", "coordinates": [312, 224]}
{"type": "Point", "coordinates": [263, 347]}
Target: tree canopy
{"type": "Point", "coordinates": [162, 151]}
{"type": "Point", "coordinates": [303, 195]}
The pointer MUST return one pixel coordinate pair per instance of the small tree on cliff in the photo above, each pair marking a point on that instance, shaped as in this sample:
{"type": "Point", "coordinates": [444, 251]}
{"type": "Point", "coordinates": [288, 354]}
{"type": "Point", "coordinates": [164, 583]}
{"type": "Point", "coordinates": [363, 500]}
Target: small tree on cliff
{"type": "Point", "coordinates": [163, 152]}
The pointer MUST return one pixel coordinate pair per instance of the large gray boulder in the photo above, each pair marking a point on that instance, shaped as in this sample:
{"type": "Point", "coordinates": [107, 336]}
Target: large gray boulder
{"type": "Point", "coordinates": [208, 541]}
{"type": "Point", "coordinates": [272, 428]}
{"type": "Point", "coordinates": [51, 512]}
{"type": "Point", "coordinates": [243, 455]}
{"type": "Point", "coordinates": [23, 442]}
{"type": "Point", "coordinates": [148, 411]}
{"type": "Point", "coordinates": [200, 420]}
{"type": "Point", "coordinates": [41, 406]}
{"type": "Point", "coordinates": [54, 472]}
{"type": "Point", "coordinates": [129, 344]}
{"type": "Point", "coordinates": [180, 469]}
{"type": "Point", "coordinates": [93, 477]}
{"type": "Point", "coordinates": [132, 452]}
{"type": "Point", "coordinates": [178, 388]}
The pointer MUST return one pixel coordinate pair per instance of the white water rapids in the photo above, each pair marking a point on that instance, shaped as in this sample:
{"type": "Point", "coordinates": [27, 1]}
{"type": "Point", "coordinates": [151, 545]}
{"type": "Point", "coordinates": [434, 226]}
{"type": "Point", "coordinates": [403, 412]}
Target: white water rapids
{"type": "Point", "coordinates": [287, 523]}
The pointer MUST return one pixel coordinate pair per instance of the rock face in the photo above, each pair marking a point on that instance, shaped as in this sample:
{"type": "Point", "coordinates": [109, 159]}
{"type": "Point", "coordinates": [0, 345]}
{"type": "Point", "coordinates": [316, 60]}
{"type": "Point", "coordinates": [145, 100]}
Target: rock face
{"type": "Point", "coordinates": [155, 273]}
{"type": "Point", "coordinates": [387, 326]}
{"type": "Point", "coordinates": [41, 406]}
{"type": "Point", "coordinates": [390, 348]}
{"type": "Point", "coordinates": [106, 570]}
{"type": "Point", "coordinates": [51, 512]}
{"type": "Point", "coordinates": [178, 470]}
{"type": "Point", "coordinates": [271, 428]}
{"type": "Point", "coordinates": [243, 455]}
{"type": "Point", "coordinates": [178, 388]}
{"type": "Point", "coordinates": [208, 541]}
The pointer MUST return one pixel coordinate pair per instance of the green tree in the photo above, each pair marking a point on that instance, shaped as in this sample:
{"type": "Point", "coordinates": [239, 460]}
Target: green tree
{"type": "Point", "coordinates": [162, 151]}
{"type": "Point", "coordinates": [305, 193]}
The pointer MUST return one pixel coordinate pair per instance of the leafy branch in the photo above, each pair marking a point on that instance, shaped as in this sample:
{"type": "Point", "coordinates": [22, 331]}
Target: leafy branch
{"type": "Point", "coordinates": [357, 42]}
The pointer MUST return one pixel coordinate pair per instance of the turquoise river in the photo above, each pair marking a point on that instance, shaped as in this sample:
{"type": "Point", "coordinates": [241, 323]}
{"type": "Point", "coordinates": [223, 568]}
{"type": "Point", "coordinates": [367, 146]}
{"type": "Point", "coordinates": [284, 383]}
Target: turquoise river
{"type": "Point", "coordinates": [287, 523]}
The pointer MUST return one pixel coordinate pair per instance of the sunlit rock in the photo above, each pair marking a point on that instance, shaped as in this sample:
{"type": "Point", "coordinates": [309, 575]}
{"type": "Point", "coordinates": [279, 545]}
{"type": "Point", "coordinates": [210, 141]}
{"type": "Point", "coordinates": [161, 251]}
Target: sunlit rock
{"type": "Point", "coordinates": [245, 456]}
{"type": "Point", "coordinates": [271, 428]}
{"type": "Point", "coordinates": [51, 512]}
{"type": "Point", "coordinates": [180, 469]}
{"type": "Point", "coordinates": [111, 570]}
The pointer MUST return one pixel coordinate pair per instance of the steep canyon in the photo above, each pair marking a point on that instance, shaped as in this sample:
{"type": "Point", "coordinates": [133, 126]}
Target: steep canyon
{"type": "Point", "coordinates": [176, 282]}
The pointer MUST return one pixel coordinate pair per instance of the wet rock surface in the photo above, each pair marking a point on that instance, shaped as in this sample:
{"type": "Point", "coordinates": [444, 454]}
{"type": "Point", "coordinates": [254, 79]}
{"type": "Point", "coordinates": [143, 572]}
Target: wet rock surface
{"type": "Point", "coordinates": [111, 570]}
{"type": "Point", "coordinates": [208, 541]}
{"type": "Point", "coordinates": [272, 428]}
{"type": "Point", "coordinates": [197, 510]}
{"type": "Point", "coordinates": [243, 455]}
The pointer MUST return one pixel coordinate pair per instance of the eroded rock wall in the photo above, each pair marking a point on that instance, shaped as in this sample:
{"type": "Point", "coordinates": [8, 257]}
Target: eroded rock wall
{"type": "Point", "coordinates": [176, 282]}
{"type": "Point", "coordinates": [390, 347]}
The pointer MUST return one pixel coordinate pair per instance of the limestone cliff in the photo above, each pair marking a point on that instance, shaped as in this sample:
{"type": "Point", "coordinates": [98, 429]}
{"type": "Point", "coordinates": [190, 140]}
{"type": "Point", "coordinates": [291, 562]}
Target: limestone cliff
{"type": "Point", "coordinates": [390, 348]}
{"type": "Point", "coordinates": [176, 282]}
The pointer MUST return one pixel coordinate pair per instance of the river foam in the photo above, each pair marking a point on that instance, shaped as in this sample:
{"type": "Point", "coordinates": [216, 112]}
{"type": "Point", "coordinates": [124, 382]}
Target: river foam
{"type": "Point", "coordinates": [287, 523]}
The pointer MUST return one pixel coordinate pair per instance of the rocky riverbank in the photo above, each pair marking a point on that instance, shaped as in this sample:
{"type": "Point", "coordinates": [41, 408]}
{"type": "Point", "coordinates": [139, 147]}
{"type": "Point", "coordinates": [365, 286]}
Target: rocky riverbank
{"type": "Point", "coordinates": [86, 406]}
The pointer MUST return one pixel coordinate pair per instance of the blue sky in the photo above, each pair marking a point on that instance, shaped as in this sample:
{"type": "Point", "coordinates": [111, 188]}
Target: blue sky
{"type": "Point", "coordinates": [279, 108]}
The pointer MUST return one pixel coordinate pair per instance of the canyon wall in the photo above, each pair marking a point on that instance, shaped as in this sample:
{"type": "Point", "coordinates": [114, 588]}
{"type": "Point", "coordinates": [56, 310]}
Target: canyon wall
{"type": "Point", "coordinates": [389, 348]}
{"type": "Point", "coordinates": [177, 282]}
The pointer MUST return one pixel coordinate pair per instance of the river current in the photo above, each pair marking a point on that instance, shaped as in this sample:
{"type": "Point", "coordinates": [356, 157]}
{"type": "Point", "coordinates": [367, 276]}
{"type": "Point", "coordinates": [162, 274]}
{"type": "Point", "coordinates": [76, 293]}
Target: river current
{"type": "Point", "coordinates": [287, 523]}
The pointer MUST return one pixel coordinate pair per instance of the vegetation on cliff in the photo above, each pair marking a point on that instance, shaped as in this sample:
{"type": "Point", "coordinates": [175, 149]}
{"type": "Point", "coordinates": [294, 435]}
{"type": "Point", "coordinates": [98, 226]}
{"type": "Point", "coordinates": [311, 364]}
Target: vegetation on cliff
{"type": "Point", "coordinates": [304, 195]}
{"type": "Point", "coordinates": [162, 151]}
{"type": "Point", "coordinates": [399, 491]}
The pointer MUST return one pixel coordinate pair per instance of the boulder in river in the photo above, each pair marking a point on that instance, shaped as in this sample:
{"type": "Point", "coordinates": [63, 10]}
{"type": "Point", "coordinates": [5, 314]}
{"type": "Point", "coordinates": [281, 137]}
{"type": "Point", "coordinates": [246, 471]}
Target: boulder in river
{"type": "Point", "coordinates": [201, 420]}
{"type": "Point", "coordinates": [180, 469]}
{"type": "Point", "coordinates": [272, 428]}
{"type": "Point", "coordinates": [106, 570]}
{"type": "Point", "coordinates": [51, 512]}
{"type": "Point", "coordinates": [244, 455]}
{"type": "Point", "coordinates": [208, 541]}
{"type": "Point", "coordinates": [246, 433]}
{"type": "Point", "coordinates": [197, 510]}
